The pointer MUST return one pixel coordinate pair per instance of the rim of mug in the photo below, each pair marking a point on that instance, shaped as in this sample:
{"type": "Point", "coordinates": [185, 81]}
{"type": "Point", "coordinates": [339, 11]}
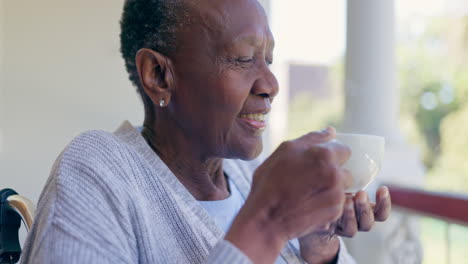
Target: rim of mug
{"type": "Point", "coordinates": [360, 135]}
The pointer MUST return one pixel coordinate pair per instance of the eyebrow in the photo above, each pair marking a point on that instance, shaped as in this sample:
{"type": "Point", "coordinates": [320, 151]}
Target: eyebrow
{"type": "Point", "coordinates": [256, 40]}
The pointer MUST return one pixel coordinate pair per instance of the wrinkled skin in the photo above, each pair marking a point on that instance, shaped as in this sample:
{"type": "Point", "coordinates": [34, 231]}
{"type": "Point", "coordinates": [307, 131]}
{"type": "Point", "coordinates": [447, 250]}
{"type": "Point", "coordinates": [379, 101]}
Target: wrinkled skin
{"type": "Point", "coordinates": [219, 73]}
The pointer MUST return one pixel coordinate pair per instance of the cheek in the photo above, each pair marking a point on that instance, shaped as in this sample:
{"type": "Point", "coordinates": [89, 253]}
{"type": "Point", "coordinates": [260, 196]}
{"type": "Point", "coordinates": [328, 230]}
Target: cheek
{"type": "Point", "coordinates": [207, 108]}
{"type": "Point", "coordinates": [210, 106]}
{"type": "Point", "coordinates": [227, 100]}
{"type": "Point", "coordinates": [239, 141]}
{"type": "Point", "coordinates": [227, 135]}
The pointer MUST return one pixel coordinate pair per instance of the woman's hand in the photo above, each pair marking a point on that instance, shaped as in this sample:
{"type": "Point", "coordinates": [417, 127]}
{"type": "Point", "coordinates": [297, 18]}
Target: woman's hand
{"type": "Point", "coordinates": [298, 189]}
{"type": "Point", "coordinates": [358, 215]}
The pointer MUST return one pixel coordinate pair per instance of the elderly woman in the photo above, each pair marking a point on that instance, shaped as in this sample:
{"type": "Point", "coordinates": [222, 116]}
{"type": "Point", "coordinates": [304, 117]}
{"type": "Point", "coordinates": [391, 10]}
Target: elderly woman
{"type": "Point", "coordinates": [180, 189]}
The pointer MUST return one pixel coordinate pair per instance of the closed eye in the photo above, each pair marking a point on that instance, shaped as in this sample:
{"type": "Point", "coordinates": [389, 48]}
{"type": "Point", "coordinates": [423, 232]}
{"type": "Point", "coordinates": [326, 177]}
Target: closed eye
{"type": "Point", "coordinates": [244, 60]}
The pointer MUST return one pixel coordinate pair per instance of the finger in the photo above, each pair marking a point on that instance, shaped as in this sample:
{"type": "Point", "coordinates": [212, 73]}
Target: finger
{"type": "Point", "coordinates": [348, 179]}
{"type": "Point", "coordinates": [327, 229]}
{"type": "Point", "coordinates": [340, 153]}
{"type": "Point", "coordinates": [364, 213]}
{"type": "Point", "coordinates": [347, 224]}
{"type": "Point", "coordinates": [331, 203]}
{"type": "Point", "coordinates": [317, 137]}
{"type": "Point", "coordinates": [383, 205]}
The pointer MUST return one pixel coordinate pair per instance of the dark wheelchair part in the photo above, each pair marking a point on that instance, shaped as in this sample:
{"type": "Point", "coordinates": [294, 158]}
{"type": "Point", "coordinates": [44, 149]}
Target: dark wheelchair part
{"type": "Point", "coordinates": [10, 222]}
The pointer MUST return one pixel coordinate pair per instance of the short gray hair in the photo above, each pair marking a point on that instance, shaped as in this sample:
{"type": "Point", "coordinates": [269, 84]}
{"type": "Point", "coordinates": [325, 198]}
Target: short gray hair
{"type": "Point", "coordinates": [149, 24]}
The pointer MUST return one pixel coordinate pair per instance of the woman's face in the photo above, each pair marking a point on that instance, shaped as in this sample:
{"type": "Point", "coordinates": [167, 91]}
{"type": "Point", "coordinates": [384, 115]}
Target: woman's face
{"type": "Point", "coordinates": [223, 84]}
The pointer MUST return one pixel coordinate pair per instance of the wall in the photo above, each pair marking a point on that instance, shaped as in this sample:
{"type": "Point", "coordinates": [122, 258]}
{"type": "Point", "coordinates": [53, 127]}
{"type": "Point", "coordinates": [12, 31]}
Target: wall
{"type": "Point", "coordinates": [63, 75]}
{"type": "Point", "coordinates": [2, 75]}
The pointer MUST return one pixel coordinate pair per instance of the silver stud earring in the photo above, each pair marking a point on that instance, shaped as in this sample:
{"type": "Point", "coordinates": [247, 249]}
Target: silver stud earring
{"type": "Point", "coordinates": [161, 102]}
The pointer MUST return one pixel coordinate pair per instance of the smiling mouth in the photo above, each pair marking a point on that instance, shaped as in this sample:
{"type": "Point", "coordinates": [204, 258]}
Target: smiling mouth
{"type": "Point", "coordinates": [254, 121]}
{"type": "Point", "coordinates": [256, 117]}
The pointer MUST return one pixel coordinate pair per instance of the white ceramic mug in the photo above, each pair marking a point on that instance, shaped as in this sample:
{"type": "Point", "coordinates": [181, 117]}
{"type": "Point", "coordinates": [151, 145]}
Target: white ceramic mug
{"type": "Point", "coordinates": [367, 153]}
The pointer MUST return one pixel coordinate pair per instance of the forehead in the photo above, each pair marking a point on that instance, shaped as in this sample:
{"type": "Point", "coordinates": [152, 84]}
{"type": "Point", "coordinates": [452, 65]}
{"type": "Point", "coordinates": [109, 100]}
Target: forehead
{"type": "Point", "coordinates": [235, 20]}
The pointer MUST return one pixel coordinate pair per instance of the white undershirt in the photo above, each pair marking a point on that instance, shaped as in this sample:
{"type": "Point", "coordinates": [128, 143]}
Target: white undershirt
{"type": "Point", "coordinates": [224, 211]}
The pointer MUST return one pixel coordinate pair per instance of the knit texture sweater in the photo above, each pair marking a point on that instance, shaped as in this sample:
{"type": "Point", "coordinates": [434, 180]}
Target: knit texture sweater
{"type": "Point", "coordinates": [111, 199]}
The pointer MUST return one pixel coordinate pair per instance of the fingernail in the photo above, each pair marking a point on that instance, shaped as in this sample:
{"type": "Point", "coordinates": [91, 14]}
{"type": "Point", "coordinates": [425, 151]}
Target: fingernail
{"type": "Point", "coordinates": [330, 129]}
{"type": "Point", "coordinates": [325, 131]}
{"type": "Point", "coordinates": [362, 201]}
{"type": "Point", "coordinates": [383, 194]}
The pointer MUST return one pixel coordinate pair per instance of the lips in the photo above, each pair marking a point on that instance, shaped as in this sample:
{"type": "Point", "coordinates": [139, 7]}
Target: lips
{"type": "Point", "coordinates": [255, 121]}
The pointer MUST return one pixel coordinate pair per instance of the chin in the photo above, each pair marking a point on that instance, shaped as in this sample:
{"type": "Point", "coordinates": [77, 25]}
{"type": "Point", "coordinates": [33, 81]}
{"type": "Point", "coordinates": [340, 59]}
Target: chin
{"type": "Point", "coordinates": [250, 153]}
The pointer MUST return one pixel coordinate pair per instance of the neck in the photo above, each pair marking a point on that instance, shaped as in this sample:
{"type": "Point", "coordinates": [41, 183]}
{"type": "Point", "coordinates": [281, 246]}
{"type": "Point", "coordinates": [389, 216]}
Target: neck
{"type": "Point", "coordinates": [203, 177]}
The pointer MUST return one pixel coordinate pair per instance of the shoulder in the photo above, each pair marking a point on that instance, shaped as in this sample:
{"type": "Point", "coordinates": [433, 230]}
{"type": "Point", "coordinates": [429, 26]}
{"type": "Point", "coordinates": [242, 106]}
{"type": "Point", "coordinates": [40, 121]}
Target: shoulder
{"type": "Point", "coordinates": [83, 196]}
{"type": "Point", "coordinates": [95, 153]}
{"type": "Point", "coordinates": [88, 176]}
{"type": "Point", "coordinates": [87, 190]}
{"type": "Point", "coordinates": [91, 145]}
{"type": "Point", "coordinates": [93, 163]}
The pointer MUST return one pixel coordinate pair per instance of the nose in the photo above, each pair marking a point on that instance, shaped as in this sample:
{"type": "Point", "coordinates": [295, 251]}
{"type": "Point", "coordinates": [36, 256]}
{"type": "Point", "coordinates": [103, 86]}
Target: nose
{"type": "Point", "coordinates": [266, 84]}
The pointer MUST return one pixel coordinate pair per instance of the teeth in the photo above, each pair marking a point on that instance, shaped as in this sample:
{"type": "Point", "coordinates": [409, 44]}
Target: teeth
{"type": "Point", "coordinates": [256, 117]}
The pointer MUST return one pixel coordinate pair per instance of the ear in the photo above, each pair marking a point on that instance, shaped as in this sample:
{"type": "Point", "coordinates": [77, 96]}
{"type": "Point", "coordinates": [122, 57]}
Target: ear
{"type": "Point", "coordinates": [154, 70]}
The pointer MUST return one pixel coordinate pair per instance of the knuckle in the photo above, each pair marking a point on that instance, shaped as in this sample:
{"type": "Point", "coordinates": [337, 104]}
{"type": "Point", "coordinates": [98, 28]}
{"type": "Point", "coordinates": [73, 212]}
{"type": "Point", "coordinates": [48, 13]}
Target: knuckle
{"type": "Point", "coordinates": [334, 207]}
{"type": "Point", "coordinates": [342, 201]}
{"type": "Point", "coordinates": [362, 206]}
{"type": "Point", "coordinates": [347, 178]}
{"type": "Point", "coordinates": [362, 212]}
{"type": "Point", "coordinates": [347, 150]}
{"type": "Point", "coordinates": [337, 174]}
{"type": "Point", "coordinates": [337, 200]}
{"type": "Point", "coordinates": [320, 153]}
{"type": "Point", "coordinates": [286, 145]}
{"type": "Point", "coordinates": [364, 209]}
{"type": "Point", "coordinates": [333, 171]}
{"type": "Point", "coordinates": [333, 177]}
{"type": "Point", "coordinates": [336, 213]}
{"type": "Point", "coordinates": [366, 221]}
{"type": "Point", "coordinates": [324, 153]}
{"type": "Point", "coordinates": [349, 206]}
